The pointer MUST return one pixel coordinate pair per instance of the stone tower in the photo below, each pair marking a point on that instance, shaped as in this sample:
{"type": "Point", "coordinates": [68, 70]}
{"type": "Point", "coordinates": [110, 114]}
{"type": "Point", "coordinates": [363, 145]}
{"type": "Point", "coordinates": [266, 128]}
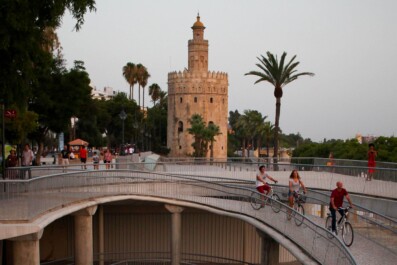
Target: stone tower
{"type": "Point", "coordinates": [196, 91]}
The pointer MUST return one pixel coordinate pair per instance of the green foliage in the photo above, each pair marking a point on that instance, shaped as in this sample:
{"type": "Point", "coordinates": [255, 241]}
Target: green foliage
{"type": "Point", "coordinates": [349, 149]}
{"type": "Point", "coordinates": [203, 135]}
{"type": "Point", "coordinates": [22, 42]}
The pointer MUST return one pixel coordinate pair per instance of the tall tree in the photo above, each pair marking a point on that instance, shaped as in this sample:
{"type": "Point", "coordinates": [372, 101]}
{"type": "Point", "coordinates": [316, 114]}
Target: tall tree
{"type": "Point", "coordinates": [268, 131]}
{"type": "Point", "coordinates": [130, 75]}
{"type": "Point", "coordinates": [145, 79]}
{"type": "Point", "coordinates": [212, 131]}
{"type": "Point", "coordinates": [197, 129]}
{"type": "Point", "coordinates": [279, 74]}
{"type": "Point", "coordinates": [23, 37]}
{"type": "Point", "coordinates": [154, 92]}
{"type": "Point", "coordinates": [60, 95]}
{"type": "Point", "coordinates": [251, 123]}
{"type": "Point", "coordinates": [142, 78]}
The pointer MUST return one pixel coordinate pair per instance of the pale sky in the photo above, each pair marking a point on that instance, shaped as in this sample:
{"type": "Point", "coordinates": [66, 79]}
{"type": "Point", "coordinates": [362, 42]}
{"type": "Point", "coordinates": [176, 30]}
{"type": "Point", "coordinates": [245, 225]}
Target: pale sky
{"type": "Point", "coordinates": [350, 45]}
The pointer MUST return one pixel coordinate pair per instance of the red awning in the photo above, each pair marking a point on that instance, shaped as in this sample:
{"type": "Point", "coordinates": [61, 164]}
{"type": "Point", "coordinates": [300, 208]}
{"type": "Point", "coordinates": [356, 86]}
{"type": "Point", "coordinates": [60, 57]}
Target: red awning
{"type": "Point", "coordinates": [78, 142]}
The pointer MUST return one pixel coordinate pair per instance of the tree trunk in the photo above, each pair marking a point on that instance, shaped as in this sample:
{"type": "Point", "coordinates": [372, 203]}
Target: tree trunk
{"type": "Point", "coordinates": [276, 130]}
{"type": "Point", "coordinates": [139, 95]}
{"type": "Point", "coordinates": [259, 143]}
{"type": "Point", "coordinates": [143, 98]}
{"type": "Point", "coordinates": [243, 148]}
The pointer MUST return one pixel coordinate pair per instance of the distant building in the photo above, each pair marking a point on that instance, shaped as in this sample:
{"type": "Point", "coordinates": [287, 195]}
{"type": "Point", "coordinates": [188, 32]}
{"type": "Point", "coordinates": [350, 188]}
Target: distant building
{"type": "Point", "coordinates": [106, 94]}
{"type": "Point", "coordinates": [365, 139]}
{"type": "Point", "coordinates": [196, 91]}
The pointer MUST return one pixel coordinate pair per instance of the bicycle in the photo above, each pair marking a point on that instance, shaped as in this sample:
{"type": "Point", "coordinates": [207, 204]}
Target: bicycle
{"type": "Point", "coordinates": [299, 200]}
{"type": "Point", "coordinates": [259, 200]}
{"type": "Point", "coordinates": [343, 225]}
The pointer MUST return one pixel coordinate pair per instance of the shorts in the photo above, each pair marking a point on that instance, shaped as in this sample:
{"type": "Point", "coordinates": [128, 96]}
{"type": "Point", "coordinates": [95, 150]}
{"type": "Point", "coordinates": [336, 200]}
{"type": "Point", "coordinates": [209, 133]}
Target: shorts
{"type": "Point", "coordinates": [83, 160]}
{"type": "Point", "coordinates": [106, 161]}
{"type": "Point", "coordinates": [263, 188]}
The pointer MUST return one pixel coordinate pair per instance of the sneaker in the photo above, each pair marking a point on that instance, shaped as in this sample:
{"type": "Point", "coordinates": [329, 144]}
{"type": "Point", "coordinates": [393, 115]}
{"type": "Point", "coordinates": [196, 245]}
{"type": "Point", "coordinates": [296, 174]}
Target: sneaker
{"type": "Point", "coordinates": [334, 233]}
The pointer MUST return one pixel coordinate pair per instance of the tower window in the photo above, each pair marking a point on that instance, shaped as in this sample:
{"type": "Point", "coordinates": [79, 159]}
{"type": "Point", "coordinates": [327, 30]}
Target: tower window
{"type": "Point", "coordinates": [180, 100]}
{"type": "Point", "coordinates": [211, 100]}
{"type": "Point", "coordinates": [180, 147]}
{"type": "Point", "coordinates": [195, 99]}
{"type": "Point", "coordinates": [180, 127]}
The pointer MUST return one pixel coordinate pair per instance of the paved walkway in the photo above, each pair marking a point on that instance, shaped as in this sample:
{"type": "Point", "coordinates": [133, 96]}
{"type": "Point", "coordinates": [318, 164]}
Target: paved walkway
{"type": "Point", "coordinates": [312, 179]}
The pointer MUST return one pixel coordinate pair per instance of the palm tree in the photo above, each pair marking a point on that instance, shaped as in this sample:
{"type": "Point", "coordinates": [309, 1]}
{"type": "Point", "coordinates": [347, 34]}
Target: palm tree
{"type": "Point", "coordinates": [198, 131]}
{"type": "Point", "coordinates": [250, 123]}
{"type": "Point", "coordinates": [163, 98]}
{"type": "Point", "coordinates": [130, 75]}
{"type": "Point", "coordinates": [154, 92]}
{"type": "Point", "coordinates": [145, 78]}
{"type": "Point", "coordinates": [212, 131]}
{"type": "Point", "coordinates": [142, 78]}
{"type": "Point", "coordinates": [279, 74]}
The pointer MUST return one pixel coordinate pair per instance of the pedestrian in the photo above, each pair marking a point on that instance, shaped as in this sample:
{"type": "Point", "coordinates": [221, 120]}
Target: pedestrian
{"type": "Point", "coordinates": [336, 203]}
{"type": "Point", "coordinates": [330, 159]}
{"type": "Point", "coordinates": [107, 158]}
{"type": "Point", "coordinates": [12, 161]}
{"type": "Point", "coordinates": [27, 156]}
{"type": "Point", "coordinates": [65, 155]}
{"type": "Point", "coordinates": [83, 157]}
{"type": "Point", "coordinates": [95, 160]}
{"type": "Point", "coordinates": [372, 153]}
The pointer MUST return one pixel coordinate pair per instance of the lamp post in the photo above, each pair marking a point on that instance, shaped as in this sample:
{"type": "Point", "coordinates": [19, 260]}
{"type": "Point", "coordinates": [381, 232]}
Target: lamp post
{"type": "Point", "coordinates": [122, 116]}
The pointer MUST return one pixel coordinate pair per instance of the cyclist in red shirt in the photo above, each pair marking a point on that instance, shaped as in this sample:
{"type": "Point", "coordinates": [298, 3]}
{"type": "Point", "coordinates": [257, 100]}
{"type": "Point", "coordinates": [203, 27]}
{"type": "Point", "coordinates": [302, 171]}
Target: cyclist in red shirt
{"type": "Point", "coordinates": [336, 202]}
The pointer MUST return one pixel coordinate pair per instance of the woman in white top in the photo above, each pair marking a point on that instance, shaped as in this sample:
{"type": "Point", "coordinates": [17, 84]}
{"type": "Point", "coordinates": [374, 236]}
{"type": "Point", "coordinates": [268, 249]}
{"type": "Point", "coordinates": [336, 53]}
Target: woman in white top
{"type": "Point", "coordinates": [294, 185]}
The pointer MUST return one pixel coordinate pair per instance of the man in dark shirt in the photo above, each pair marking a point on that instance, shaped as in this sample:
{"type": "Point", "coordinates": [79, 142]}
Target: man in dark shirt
{"type": "Point", "coordinates": [65, 155]}
{"type": "Point", "coordinates": [336, 202]}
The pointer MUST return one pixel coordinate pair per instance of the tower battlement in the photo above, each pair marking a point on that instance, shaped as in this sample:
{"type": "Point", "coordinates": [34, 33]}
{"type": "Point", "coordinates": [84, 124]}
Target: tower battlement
{"type": "Point", "coordinates": [173, 76]}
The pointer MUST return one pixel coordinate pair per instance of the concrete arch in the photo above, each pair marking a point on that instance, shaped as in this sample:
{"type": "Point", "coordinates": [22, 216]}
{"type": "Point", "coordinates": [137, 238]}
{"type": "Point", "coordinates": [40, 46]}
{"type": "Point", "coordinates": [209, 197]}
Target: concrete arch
{"type": "Point", "coordinates": [8, 231]}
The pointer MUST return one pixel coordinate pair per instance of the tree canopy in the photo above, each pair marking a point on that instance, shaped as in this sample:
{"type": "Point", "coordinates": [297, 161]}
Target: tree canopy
{"type": "Point", "coordinates": [23, 40]}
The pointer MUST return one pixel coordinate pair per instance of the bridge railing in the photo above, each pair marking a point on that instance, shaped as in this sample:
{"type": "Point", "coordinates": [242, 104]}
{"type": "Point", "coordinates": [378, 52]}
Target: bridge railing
{"type": "Point", "coordinates": [384, 182]}
{"type": "Point", "coordinates": [30, 198]}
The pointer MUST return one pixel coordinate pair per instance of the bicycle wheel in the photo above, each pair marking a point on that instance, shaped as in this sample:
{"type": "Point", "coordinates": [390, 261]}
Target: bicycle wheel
{"type": "Point", "coordinates": [298, 218]}
{"type": "Point", "coordinates": [275, 203]}
{"type": "Point", "coordinates": [328, 226]}
{"type": "Point", "coordinates": [255, 200]}
{"type": "Point", "coordinates": [347, 234]}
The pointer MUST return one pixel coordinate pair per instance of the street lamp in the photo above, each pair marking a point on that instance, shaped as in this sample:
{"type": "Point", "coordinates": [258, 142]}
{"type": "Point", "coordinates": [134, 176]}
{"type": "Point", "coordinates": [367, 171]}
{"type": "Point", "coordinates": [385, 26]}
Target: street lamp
{"type": "Point", "coordinates": [122, 116]}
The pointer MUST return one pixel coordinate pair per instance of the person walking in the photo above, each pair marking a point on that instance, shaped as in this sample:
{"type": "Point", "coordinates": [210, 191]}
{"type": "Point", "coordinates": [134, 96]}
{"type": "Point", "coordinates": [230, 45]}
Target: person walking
{"type": "Point", "coordinates": [95, 159]}
{"type": "Point", "coordinates": [372, 154]}
{"type": "Point", "coordinates": [12, 161]}
{"type": "Point", "coordinates": [83, 157]}
{"type": "Point", "coordinates": [336, 202]}
{"type": "Point", "coordinates": [65, 155]}
{"type": "Point", "coordinates": [27, 156]}
{"type": "Point", "coordinates": [107, 158]}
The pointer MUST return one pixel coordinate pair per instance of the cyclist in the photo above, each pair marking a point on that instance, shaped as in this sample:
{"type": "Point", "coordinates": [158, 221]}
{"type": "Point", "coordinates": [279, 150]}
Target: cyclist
{"type": "Point", "coordinates": [336, 203]}
{"type": "Point", "coordinates": [294, 185]}
{"type": "Point", "coordinates": [261, 184]}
